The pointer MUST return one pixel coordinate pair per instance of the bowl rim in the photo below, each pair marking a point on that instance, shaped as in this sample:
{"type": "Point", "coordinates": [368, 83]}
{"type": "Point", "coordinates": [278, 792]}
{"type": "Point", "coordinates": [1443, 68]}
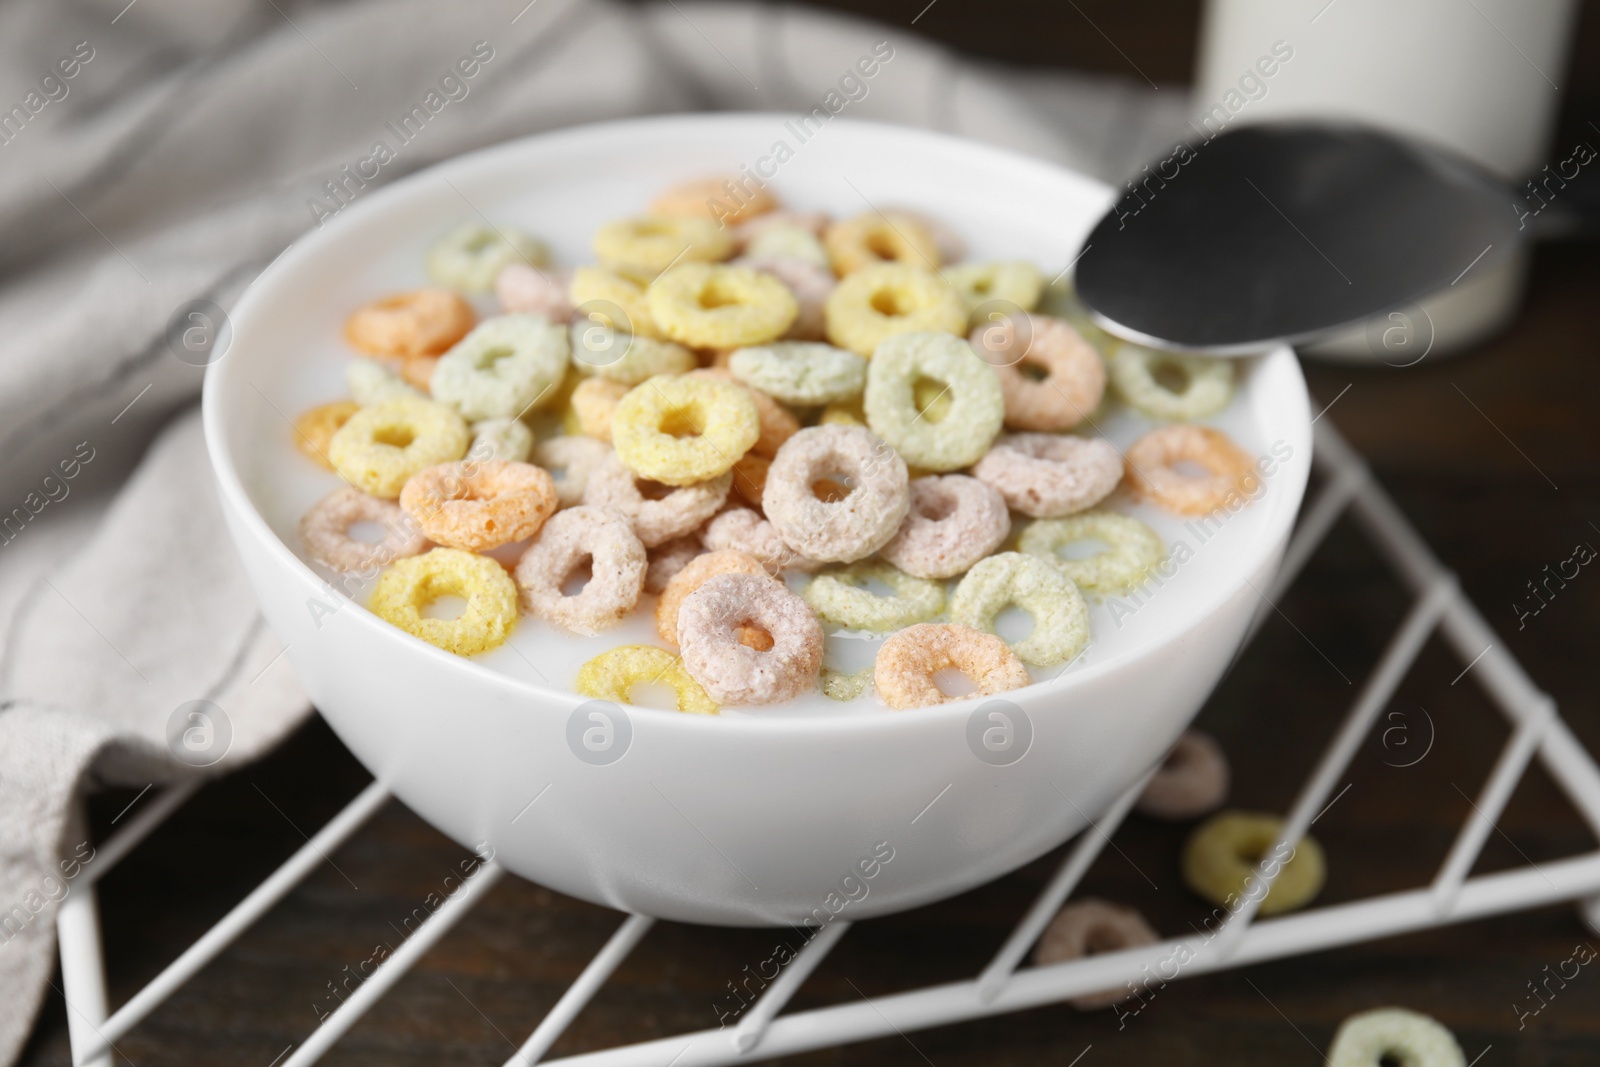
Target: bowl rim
{"type": "Point", "coordinates": [541, 697]}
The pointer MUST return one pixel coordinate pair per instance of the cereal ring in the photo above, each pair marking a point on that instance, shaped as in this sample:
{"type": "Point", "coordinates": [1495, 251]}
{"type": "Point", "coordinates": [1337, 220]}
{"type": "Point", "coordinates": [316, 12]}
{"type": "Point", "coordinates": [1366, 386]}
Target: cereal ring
{"type": "Point", "coordinates": [422, 322]}
{"type": "Point", "coordinates": [697, 572]}
{"type": "Point", "coordinates": [846, 529]}
{"type": "Point", "coordinates": [381, 446]}
{"type": "Point", "coordinates": [1221, 856]}
{"type": "Point", "coordinates": [1232, 476]}
{"type": "Point", "coordinates": [1074, 378]}
{"type": "Point", "coordinates": [502, 369]}
{"type": "Point", "coordinates": [750, 477]}
{"type": "Point", "coordinates": [668, 560]}
{"type": "Point", "coordinates": [314, 428]}
{"type": "Point", "coordinates": [570, 460]}
{"type": "Point", "coordinates": [777, 424]}
{"type": "Point", "coordinates": [656, 518]}
{"type": "Point", "coordinates": [877, 303]}
{"type": "Point", "coordinates": [841, 597]}
{"type": "Point", "coordinates": [593, 404]}
{"type": "Point", "coordinates": [810, 283]}
{"type": "Point", "coordinates": [567, 540]}
{"type": "Point", "coordinates": [599, 350]}
{"type": "Point", "coordinates": [907, 662]}
{"type": "Point", "coordinates": [370, 382]}
{"type": "Point", "coordinates": [872, 239]}
{"type": "Point", "coordinates": [976, 407]}
{"type": "Point", "coordinates": [813, 222]}
{"type": "Point", "coordinates": [1141, 375]}
{"type": "Point", "coordinates": [727, 200]}
{"type": "Point", "coordinates": [472, 255]}
{"type": "Point", "coordinates": [1134, 549]}
{"type": "Point", "coordinates": [613, 673]}
{"type": "Point", "coordinates": [534, 291]}
{"type": "Point", "coordinates": [746, 531]}
{"type": "Point", "coordinates": [718, 419]}
{"type": "Point", "coordinates": [417, 372]}
{"type": "Point", "coordinates": [325, 529]}
{"type": "Point", "coordinates": [791, 243]}
{"type": "Point", "coordinates": [837, 685]}
{"type": "Point", "coordinates": [952, 249]}
{"type": "Point", "coordinates": [952, 523]}
{"type": "Point", "coordinates": [508, 439]}
{"type": "Point", "coordinates": [709, 625]}
{"type": "Point", "coordinates": [800, 372]}
{"type": "Point", "coordinates": [1060, 616]}
{"type": "Point", "coordinates": [1394, 1035]}
{"type": "Point", "coordinates": [712, 305]}
{"type": "Point", "coordinates": [654, 243]}
{"type": "Point", "coordinates": [1191, 781]}
{"type": "Point", "coordinates": [612, 298]}
{"type": "Point", "coordinates": [411, 584]}
{"type": "Point", "coordinates": [843, 413]}
{"type": "Point", "coordinates": [1014, 282]}
{"type": "Point", "coordinates": [1050, 475]}
{"type": "Point", "coordinates": [1090, 927]}
{"type": "Point", "coordinates": [481, 504]}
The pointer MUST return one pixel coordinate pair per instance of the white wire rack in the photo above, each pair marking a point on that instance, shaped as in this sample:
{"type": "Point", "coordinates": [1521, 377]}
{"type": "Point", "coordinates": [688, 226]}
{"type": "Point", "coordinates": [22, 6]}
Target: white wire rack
{"type": "Point", "coordinates": [1001, 987]}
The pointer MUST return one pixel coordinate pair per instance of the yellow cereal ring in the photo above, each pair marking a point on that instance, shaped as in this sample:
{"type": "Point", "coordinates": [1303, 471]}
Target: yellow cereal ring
{"type": "Point", "coordinates": [656, 242]}
{"type": "Point", "coordinates": [717, 419]}
{"type": "Point", "coordinates": [1015, 283]}
{"type": "Point", "coordinates": [879, 302]}
{"type": "Point", "coordinates": [844, 413]}
{"type": "Point", "coordinates": [315, 428]}
{"type": "Point", "coordinates": [613, 298]}
{"type": "Point", "coordinates": [382, 446]}
{"type": "Point", "coordinates": [870, 239]}
{"type": "Point", "coordinates": [593, 404]}
{"type": "Point", "coordinates": [1221, 856]}
{"type": "Point", "coordinates": [777, 423]}
{"type": "Point", "coordinates": [709, 305]}
{"type": "Point", "coordinates": [411, 584]}
{"type": "Point", "coordinates": [722, 199]}
{"type": "Point", "coordinates": [612, 675]}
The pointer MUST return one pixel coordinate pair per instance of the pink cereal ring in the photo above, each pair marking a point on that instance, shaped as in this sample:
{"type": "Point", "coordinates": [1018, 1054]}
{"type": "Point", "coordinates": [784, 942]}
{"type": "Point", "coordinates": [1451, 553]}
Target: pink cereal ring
{"type": "Point", "coordinates": [476, 505]}
{"type": "Point", "coordinates": [852, 527]}
{"type": "Point", "coordinates": [953, 522]}
{"type": "Point", "coordinates": [1230, 471]}
{"type": "Point", "coordinates": [1074, 376]}
{"type": "Point", "coordinates": [731, 672]}
{"type": "Point", "coordinates": [534, 291]}
{"type": "Point", "coordinates": [668, 560]}
{"type": "Point", "coordinates": [325, 529]}
{"type": "Point", "coordinates": [570, 538]}
{"type": "Point", "coordinates": [660, 516]}
{"type": "Point", "coordinates": [907, 662]}
{"type": "Point", "coordinates": [1190, 782]}
{"type": "Point", "coordinates": [744, 530]}
{"type": "Point", "coordinates": [1051, 475]}
{"type": "Point", "coordinates": [1088, 927]}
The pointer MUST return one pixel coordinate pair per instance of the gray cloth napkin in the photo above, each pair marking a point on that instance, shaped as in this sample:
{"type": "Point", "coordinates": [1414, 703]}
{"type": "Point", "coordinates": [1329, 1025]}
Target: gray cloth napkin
{"type": "Point", "coordinates": [164, 151]}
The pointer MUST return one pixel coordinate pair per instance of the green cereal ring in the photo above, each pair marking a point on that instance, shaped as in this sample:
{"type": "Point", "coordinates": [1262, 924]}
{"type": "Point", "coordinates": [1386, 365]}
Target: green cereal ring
{"type": "Point", "coordinates": [380, 447]}
{"type": "Point", "coordinates": [370, 382]}
{"type": "Point", "coordinates": [837, 685]}
{"type": "Point", "coordinates": [958, 438]}
{"type": "Point", "coordinates": [1222, 855]}
{"type": "Point", "coordinates": [788, 242]}
{"type": "Point", "coordinates": [841, 596]}
{"type": "Point", "coordinates": [603, 352]}
{"type": "Point", "coordinates": [803, 373]}
{"type": "Point", "coordinates": [1394, 1035]}
{"type": "Point", "coordinates": [1060, 616]}
{"type": "Point", "coordinates": [504, 367]}
{"type": "Point", "coordinates": [508, 439]}
{"type": "Point", "coordinates": [409, 585]}
{"type": "Point", "coordinates": [472, 255]}
{"type": "Point", "coordinates": [879, 302]}
{"type": "Point", "coordinates": [1135, 549]}
{"type": "Point", "coordinates": [1016, 282]}
{"type": "Point", "coordinates": [1207, 383]}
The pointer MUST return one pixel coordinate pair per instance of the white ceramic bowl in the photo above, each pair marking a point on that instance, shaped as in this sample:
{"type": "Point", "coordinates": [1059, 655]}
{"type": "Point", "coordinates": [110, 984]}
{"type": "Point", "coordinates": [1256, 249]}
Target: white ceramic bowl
{"type": "Point", "coordinates": [764, 817]}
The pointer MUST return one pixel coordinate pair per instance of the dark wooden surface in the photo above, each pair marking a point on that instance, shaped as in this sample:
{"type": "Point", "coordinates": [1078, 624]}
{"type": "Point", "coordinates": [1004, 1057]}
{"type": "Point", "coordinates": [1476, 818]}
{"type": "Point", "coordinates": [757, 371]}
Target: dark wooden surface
{"type": "Point", "coordinates": [1499, 489]}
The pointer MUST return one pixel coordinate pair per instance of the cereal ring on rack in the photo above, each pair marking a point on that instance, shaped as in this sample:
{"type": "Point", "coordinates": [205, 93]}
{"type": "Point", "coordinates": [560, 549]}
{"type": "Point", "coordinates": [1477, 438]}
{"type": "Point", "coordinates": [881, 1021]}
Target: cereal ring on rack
{"type": "Point", "coordinates": [417, 372]}
{"type": "Point", "coordinates": [381, 446]}
{"type": "Point", "coordinates": [1231, 478]}
{"type": "Point", "coordinates": [593, 404]}
{"type": "Point", "coordinates": [570, 461]}
{"type": "Point", "coordinates": [710, 624]}
{"type": "Point", "coordinates": [697, 572]}
{"type": "Point", "coordinates": [1089, 927]}
{"type": "Point", "coordinates": [1014, 282]}
{"type": "Point", "coordinates": [872, 239]}
{"type": "Point", "coordinates": [847, 529]}
{"type": "Point", "coordinates": [726, 200]}
{"type": "Point", "coordinates": [808, 282]}
{"type": "Point", "coordinates": [1221, 856]}
{"type": "Point", "coordinates": [907, 662]}
{"type": "Point", "coordinates": [879, 302]}
{"type": "Point", "coordinates": [472, 255]}
{"type": "Point", "coordinates": [613, 674]}
{"type": "Point", "coordinates": [656, 518]}
{"type": "Point", "coordinates": [713, 305]}
{"type": "Point", "coordinates": [502, 369]}
{"type": "Point", "coordinates": [952, 523]}
{"type": "Point", "coordinates": [1200, 387]}
{"type": "Point", "coordinates": [668, 560]}
{"type": "Point", "coordinates": [1074, 378]}
{"type": "Point", "coordinates": [777, 424]}
{"type": "Point", "coordinates": [422, 322]}
{"type": "Point", "coordinates": [566, 541]}
{"type": "Point", "coordinates": [654, 243]}
{"type": "Point", "coordinates": [613, 298]}
{"type": "Point", "coordinates": [603, 352]}
{"type": "Point", "coordinates": [803, 373]}
{"type": "Point", "coordinates": [1191, 781]}
{"type": "Point", "coordinates": [717, 418]}
{"type": "Point", "coordinates": [743, 530]}
{"type": "Point", "coordinates": [837, 685]}
{"type": "Point", "coordinates": [1394, 1035]}
{"type": "Point", "coordinates": [1135, 549]}
{"type": "Point", "coordinates": [1060, 615]}
{"type": "Point", "coordinates": [1050, 475]}
{"type": "Point", "coordinates": [534, 291]}
{"type": "Point", "coordinates": [976, 409]}
{"type": "Point", "coordinates": [479, 504]}
{"type": "Point", "coordinates": [508, 439]}
{"type": "Point", "coordinates": [408, 586]}
{"type": "Point", "coordinates": [325, 530]}
{"type": "Point", "coordinates": [370, 382]}
{"type": "Point", "coordinates": [841, 597]}
{"type": "Point", "coordinates": [315, 427]}
{"type": "Point", "coordinates": [750, 477]}
{"type": "Point", "coordinates": [791, 243]}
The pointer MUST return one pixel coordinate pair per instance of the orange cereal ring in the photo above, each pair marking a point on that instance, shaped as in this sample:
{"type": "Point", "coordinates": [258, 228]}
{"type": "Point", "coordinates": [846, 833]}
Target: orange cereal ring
{"type": "Point", "coordinates": [1074, 377]}
{"type": "Point", "coordinates": [723, 199]}
{"type": "Point", "coordinates": [1231, 474]}
{"type": "Point", "coordinates": [313, 429]}
{"type": "Point", "coordinates": [697, 572]}
{"type": "Point", "coordinates": [907, 662]}
{"type": "Point", "coordinates": [479, 505]}
{"type": "Point", "coordinates": [421, 322]}
{"type": "Point", "coordinates": [593, 403]}
{"type": "Point", "coordinates": [873, 238]}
